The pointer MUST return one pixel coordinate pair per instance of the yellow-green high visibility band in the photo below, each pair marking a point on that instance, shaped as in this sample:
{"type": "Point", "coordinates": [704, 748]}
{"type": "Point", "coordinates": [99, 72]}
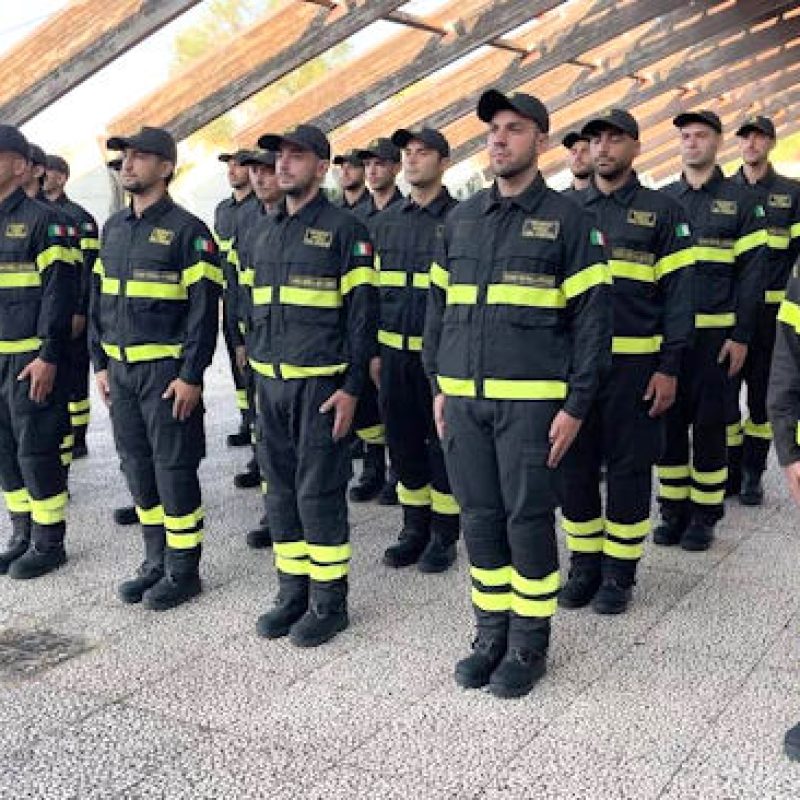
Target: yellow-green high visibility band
{"type": "Point", "coordinates": [414, 497]}
{"type": "Point", "coordinates": [150, 516]}
{"type": "Point", "coordinates": [442, 503]}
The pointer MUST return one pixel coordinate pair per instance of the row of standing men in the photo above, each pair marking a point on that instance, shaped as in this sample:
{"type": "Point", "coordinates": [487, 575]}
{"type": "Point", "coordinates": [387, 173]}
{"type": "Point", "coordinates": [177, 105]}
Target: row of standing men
{"type": "Point", "coordinates": [511, 345]}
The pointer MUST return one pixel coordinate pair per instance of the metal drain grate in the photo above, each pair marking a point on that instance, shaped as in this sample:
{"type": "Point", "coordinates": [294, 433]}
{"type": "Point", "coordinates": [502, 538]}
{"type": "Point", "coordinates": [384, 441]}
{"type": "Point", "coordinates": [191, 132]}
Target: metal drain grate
{"type": "Point", "coordinates": [25, 653]}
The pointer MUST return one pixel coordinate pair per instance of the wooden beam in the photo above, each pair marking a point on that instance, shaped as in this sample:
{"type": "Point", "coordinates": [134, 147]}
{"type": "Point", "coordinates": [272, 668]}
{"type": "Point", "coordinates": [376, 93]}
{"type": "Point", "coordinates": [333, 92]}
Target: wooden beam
{"type": "Point", "coordinates": [396, 63]}
{"type": "Point", "coordinates": [71, 46]}
{"type": "Point", "coordinates": [699, 60]}
{"type": "Point", "coordinates": [271, 48]}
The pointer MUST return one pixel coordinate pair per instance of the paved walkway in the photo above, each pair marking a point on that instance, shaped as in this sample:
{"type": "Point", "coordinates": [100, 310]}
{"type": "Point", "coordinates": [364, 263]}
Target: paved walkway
{"type": "Point", "coordinates": [686, 696]}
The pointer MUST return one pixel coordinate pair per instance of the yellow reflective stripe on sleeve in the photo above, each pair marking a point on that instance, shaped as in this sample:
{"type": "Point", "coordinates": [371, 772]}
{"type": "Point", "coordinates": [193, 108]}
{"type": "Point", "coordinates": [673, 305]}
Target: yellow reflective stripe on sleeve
{"type": "Point", "coordinates": [150, 516]}
{"type": "Point", "coordinates": [491, 601]}
{"type": "Point", "coordinates": [707, 498]}
{"type": "Point", "coordinates": [13, 347]}
{"type": "Point", "coordinates": [525, 296]}
{"type": "Point", "coordinates": [500, 389]}
{"type": "Point", "coordinates": [151, 289]}
{"type": "Point", "coordinates": [756, 430]}
{"type": "Point", "coordinates": [55, 252]}
{"type": "Point", "coordinates": [392, 277]}
{"type": "Point", "coordinates": [291, 566]}
{"type": "Point", "coordinates": [442, 503]}
{"type": "Point", "coordinates": [710, 478]}
{"type": "Point", "coordinates": [673, 492]}
{"type": "Point", "coordinates": [774, 296]}
{"type": "Point", "coordinates": [247, 277]}
{"type": "Point", "coordinates": [632, 271]}
{"type": "Point", "coordinates": [457, 387]}
{"type": "Point", "coordinates": [318, 298]}
{"type": "Point", "coordinates": [89, 243]}
{"type": "Point", "coordinates": [797, 434]}
{"type": "Point", "coordinates": [242, 402]}
{"type": "Point", "coordinates": [715, 320]}
{"type": "Point", "coordinates": [586, 279]}
{"type": "Point", "coordinates": [789, 312]}
{"type": "Point", "coordinates": [374, 434]}
{"type": "Point", "coordinates": [360, 276]}
{"type": "Point", "coordinates": [674, 261]}
{"type": "Point", "coordinates": [535, 586]}
{"type": "Point", "coordinates": [462, 294]}
{"type": "Point", "coordinates": [439, 276]}
{"type": "Point", "coordinates": [636, 345]}
{"type": "Point", "coordinates": [628, 530]}
{"type": "Point", "coordinates": [750, 241]}
{"type": "Point", "coordinates": [329, 554]}
{"type": "Point", "coordinates": [18, 501]}
{"type": "Point", "coordinates": [674, 473]}
{"type": "Point", "coordinates": [717, 255]}
{"type": "Point", "coordinates": [267, 370]}
{"type": "Point", "coordinates": [233, 258]}
{"type": "Point", "coordinates": [794, 231]}
{"type": "Point", "coordinates": [200, 270]}
{"type": "Point", "coordinates": [49, 511]}
{"type": "Point", "coordinates": [109, 286]}
{"type": "Point", "coordinates": [533, 608]}
{"type": "Point", "coordinates": [501, 576]}
{"type": "Point", "coordinates": [98, 268]}
{"type": "Point", "coordinates": [262, 295]}
{"type": "Point", "coordinates": [421, 280]}
{"type": "Point", "coordinates": [20, 280]}
{"type": "Point", "coordinates": [413, 497]}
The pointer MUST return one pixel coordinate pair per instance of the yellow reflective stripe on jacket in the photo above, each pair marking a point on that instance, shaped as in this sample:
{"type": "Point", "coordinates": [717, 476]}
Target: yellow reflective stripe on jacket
{"type": "Point", "coordinates": [262, 295]}
{"type": "Point", "coordinates": [109, 286]}
{"type": "Point", "coordinates": [360, 276]}
{"type": "Point", "coordinates": [292, 371]}
{"type": "Point", "coordinates": [789, 312]}
{"type": "Point", "coordinates": [636, 345]}
{"type": "Point", "coordinates": [510, 389]}
{"type": "Point", "coordinates": [318, 298]}
{"type": "Point", "coordinates": [399, 342]}
{"type": "Point", "coordinates": [421, 280]}
{"type": "Point", "coordinates": [750, 241]}
{"type": "Point", "coordinates": [532, 296]}
{"type": "Point", "coordinates": [56, 252]}
{"type": "Point", "coordinates": [632, 271]}
{"type": "Point", "coordinates": [462, 294]}
{"type": "Point", "coordinates": [89, 243]}
{"type": "Point", "coordinates": [674, 261]}
{"type": "Point", "coordinates": [392, 277]}
{"type": "Point", "coordinates": [149, 289]}
{"type": "Point", "coordinates": [778, 241]}
{"type": "Point", "coordinates": [457, 387]}
{"type": "Point", "coordinates": [774, 296]}
{"type": "Point", "coordinates": [439, 276]}
{"type": "Point", "coordinates": [200, 270]}
{"type": "Point", "coordinates": [719, 255]}
{"type": "Point", "coordinates": [586, 279]}
{"type": "Point", "coordinates": [11, 347]}
{"type": "Point", "coordinates": [726, 320]}
{"type": "Point", "coordinates": [247, 277]}
{"type": "Point", "coordinates": [142, 352]}
{"type": "Point", "coordinates": [20, 280]}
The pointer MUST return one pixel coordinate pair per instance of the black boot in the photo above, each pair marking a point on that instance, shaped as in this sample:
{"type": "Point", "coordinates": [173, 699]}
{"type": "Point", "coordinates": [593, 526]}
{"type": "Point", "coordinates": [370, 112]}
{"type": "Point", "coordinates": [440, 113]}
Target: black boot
{"type": "Point", "coordinates": [671, 528]}
{"type": "Point", "coordinates": [488, 650]}
{"type": "Point", "coordinates": [525, 661]}
{"type": "Point", "coordinates": [45, 554]}
{"type": "Point", "coordinates": [151, 570]}
{"type": "Point", "coordinates": [125, 515]}
{"type": "Point", "coordinates": [440, 554]}
{"type": "Point", "coordinates": [326, 615]}
{"type": "Point", "coordinates": [79, 449]}
{"type": "Point", "coordinates": [18, 543]}
{"type": "Point", "coordinates": [791, 743]}
{"type": "Point", "coordinates": [242, 437]}
{"type": "Point", "coordinates": [250, 478]}
{"type": "Point", "coordinates": [752, 492]}
{"type": "Point", "coordinates": [290, 605]}
{"type": "Point", "coordinates": [388, 494]}
{"type": "Point", "coordinates": [583, 581]}
{"type": "Point", "coordinates": [413, 538]}
{"type": "Point", "coordinates": [373, 475]}
{"type": "Point", "coordinates": [698, 536]}
{"type": "Point", "coordinates": [181, 580]}
{"type": "Point", "coordinates": [260, 538]}
{"type": "Point", "coordinates": [613, 596]}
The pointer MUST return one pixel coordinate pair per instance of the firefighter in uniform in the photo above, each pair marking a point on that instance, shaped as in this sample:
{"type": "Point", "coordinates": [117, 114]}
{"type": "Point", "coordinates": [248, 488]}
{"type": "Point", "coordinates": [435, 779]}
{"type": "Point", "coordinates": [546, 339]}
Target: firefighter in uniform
{"type": "Point", "coordinates": [648, 246]}
{"type": "Point", "coordinates": [313, 335]}
{"type": "Point", "coordinates": [56, 177]}
{"type": "Point", "coordinates": [518, 327]}
{"type": "Point", "coordinates": [38, 288]}
{"type": "Point", "coordinates": [381, 160]}
{"type": "Point", "coordinates": [353, 180]}
{"type": "Point", "coordinates": [153, 328]}
{"type": "Point", "coordinates": [579, 163]}
{"type": "Point", "coordinates": [748, 442]}
{"type": "Point", "coordinates": [405, 239]}
{"type": "Point", "coordinates": [729, 240]}
{"type": "Point", "coordinates": [231, 215]}
{"type": "Point", "coordinates": [783, 405]}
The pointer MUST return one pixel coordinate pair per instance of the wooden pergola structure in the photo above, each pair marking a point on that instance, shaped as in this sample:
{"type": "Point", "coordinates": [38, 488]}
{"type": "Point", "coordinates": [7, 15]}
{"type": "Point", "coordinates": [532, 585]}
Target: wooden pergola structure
{"type": "Point", "coordinates": [653, 57]}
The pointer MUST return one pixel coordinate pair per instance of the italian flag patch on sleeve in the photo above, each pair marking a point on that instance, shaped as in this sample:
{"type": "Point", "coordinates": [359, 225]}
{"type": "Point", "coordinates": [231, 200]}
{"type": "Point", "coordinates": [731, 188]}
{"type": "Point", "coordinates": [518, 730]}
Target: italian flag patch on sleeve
{"type": "Point", "coordinates": [202, 245]}
{"type": "Point", "coordinates": [362, 249]}
{"type": "Point", "coordinates": [682, 230]}
{"type": "Point", "coordinates": [56, 231]}
{"type": "Point", "coordinates": [597, 237]}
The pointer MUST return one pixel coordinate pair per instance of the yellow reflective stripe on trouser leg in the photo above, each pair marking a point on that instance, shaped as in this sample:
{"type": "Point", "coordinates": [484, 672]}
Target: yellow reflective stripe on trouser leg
{"type": "Point", "coordinates": [150, 516]}
{"type": "Point", "coordinates": [413, 497]}
{"type": "Point", "coordinates": [534, 597]}
{"type": "Point", "coordinates": [242, 402]}
{"type": "Point", "coordinates": [734, 434]}
{"type": "Point", "coordinates": [584, 537]}
{"type": "Point", "coordinates": [49, 510]}
{"type": "Point", "coordinates": [65, 449]}
{"type": "Point", "coordinates": [328, 562]}
{"type": "Point", "coordinates": [443, 503]}
{"type": "Point", "coordinates": [374, 434]}
{"type": "Point", "coordinates": [758, 430]}
{"type": "Point", "coordinates": [186, 531]}
{"type": "Point", "coordinates": [291, 558]}
{"type": "Point", "coordinates": [625, 540]}
{"type": "Point", "coordinates": [673, 482]}
{"type": "Point", "coordinates": [18, 501]}
{"type": "Point", "coordinates": [708, 487]}
{"type": "Point", "coordinates": [491, 588]}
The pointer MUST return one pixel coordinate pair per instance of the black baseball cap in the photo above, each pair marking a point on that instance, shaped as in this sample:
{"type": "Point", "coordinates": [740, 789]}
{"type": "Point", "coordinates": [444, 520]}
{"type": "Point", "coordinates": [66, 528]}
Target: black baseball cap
{"type": "Point", "coordinates": [612, 118]}
{"type": "Point", "coordinates": [704, 116]}
{"type": "Point", "coordinates": [156, 141]}
{"type": "Point", "coordinates": [351, 157]}
{"type": "Point", "coordinates": [57, 164]}
{"type": "Point", "coordinates": [236, 156]}
{"type": "Point", "coordinates": [757, 123]}
{"type": "Point", "coordinates": [309, 137]}
{"type": "Point", "coordinates": [526, 105]}
{"type": "Point", "coordinates": [428, 136]}
{"type": "Point", "coordinates": [13, 141]}
{"type": "Point", "coordinates": [267, 157]}
{"type": "Point", "coordinates": [572, 137]}
{"type": "Point", "coordinates": [383, 148]}
{"type": "Point", "coordinates": [36, 155]}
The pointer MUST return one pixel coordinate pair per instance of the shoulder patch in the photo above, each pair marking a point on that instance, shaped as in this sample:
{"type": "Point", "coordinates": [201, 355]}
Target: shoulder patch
{"type": "Point", "coordinates": [728, 207]}
{"type": "Point", "coordinates": [161, 236]}
{"type": "Point", "coordinates": [645, 219]}
{"type": "Point", "coordinates": [317, 238]}
{"type": "Point", "coordinates": [16, 230]}
{"type": "Point", "coordinates": [535, 279]}
{"type": "Point", "coordinates": [541, 229]}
